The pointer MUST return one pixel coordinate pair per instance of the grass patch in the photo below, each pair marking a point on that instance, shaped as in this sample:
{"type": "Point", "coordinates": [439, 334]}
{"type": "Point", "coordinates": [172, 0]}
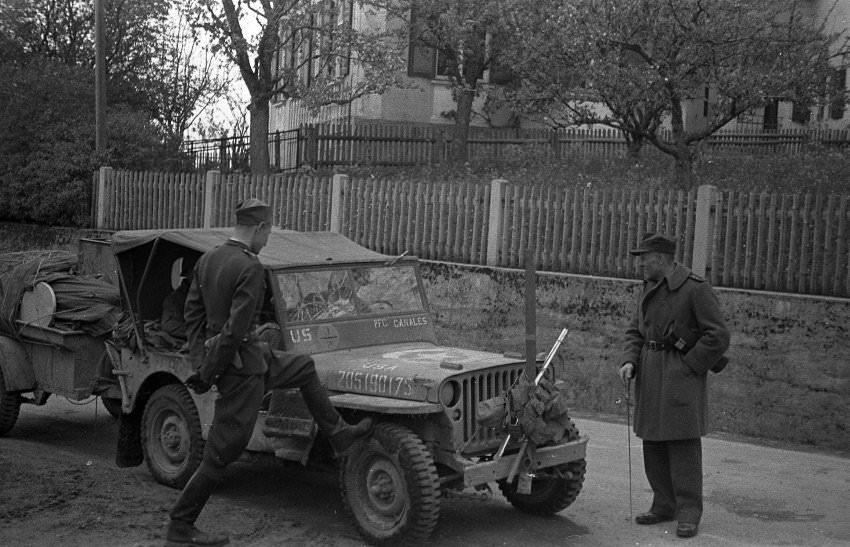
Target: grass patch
{"type": "Point", "coordinates": [818, 170]}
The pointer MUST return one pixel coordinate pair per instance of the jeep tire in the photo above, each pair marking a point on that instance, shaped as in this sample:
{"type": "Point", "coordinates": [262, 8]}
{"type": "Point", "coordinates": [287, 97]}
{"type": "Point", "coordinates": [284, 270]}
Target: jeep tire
{"type": "Point", "coordinates": [171, 435]}
{"type": "Point", "coordinates": [552, 490]}
{"type": "Point", "coordinates": [390, 487]}
{"type": "Point", "coordinates": [10, 407]}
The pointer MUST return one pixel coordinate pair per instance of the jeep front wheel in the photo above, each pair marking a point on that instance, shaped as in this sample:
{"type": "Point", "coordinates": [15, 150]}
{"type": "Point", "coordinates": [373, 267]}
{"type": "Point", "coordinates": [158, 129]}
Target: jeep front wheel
{"type": "Point", "coordinates": [390, 488]}
{"type": "Point", "coordinates": [553, 489]}
{"type": "Point", "coordinates": [171, 435]}
{"type": "Point", "coordinates": [10, 407]}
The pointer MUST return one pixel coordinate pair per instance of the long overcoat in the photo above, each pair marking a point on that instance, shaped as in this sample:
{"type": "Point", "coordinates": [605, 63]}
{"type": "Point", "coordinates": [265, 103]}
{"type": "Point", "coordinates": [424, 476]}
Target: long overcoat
{"type": "Point", "coordinates": [671, 394]}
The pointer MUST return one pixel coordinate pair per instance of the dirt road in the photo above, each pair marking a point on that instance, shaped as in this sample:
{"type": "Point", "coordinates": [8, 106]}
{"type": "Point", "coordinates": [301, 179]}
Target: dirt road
{"type": "Point", "coordinates": [59, 486]}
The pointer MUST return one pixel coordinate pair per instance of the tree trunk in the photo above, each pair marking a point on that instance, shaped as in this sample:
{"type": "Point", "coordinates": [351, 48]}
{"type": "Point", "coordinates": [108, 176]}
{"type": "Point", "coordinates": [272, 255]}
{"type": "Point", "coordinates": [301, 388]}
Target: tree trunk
{"type": "Point", "coordinates": [259, 110]}
{"type": "Point", "coordinates": [684, 166]}
{"type": "Point", "coordinates": [634, 144]}
{"type": "Point", "coordinates": [460, 143]}
{"type": "Point", "coordinates": [682, 152]}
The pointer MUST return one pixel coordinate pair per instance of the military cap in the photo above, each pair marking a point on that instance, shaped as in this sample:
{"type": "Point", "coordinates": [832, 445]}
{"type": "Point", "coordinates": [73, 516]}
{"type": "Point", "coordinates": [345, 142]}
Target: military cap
{"type": "Point", "coordinates": [253, 211]}
{"type": "Point", "coordinates": [655, 243]}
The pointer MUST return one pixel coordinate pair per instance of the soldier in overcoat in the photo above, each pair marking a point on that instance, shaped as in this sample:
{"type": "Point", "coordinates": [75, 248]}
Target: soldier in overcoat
{"type": "Point", "coordinates": [222, 312]}
{"type": "Point", "coordinates": [676, 336]}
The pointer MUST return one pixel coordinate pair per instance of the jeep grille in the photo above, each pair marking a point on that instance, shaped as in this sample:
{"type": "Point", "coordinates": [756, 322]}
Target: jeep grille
{"type": "Point", "coordinates": [480, 386]}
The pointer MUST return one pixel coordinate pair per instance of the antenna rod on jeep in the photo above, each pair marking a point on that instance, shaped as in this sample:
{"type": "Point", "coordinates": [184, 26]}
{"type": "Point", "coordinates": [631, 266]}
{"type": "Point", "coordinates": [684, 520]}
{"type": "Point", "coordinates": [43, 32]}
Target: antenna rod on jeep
{"type": "Point", "coordinates": [392, 261]}
{"type": "Point", "coordinates": [530, 314]}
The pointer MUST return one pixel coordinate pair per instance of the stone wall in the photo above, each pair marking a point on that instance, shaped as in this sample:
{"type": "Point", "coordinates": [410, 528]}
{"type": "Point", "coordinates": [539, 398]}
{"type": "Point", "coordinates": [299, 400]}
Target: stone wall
{"type": "Point", "coordinates": [788, 377]}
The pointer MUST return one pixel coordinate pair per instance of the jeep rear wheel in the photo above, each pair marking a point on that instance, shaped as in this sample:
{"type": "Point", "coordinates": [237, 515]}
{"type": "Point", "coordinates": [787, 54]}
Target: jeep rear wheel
{"type": "Point", "coordinates": [390, 488]}
{"type": "Point", "coordinates": [554, 489]}
{"type": "Point", "coordinates": [171, 435]}
{"type": "Point", "coordinates": [10, 407]}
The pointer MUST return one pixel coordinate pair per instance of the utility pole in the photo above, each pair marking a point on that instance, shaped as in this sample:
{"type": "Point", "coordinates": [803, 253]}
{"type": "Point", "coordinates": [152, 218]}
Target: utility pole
{"type": "Point", "coordinates": [99, 79]}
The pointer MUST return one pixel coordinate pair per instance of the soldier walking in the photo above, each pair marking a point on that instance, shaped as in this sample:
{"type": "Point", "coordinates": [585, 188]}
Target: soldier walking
{"type": "Point", "coordinates": [222, 310]}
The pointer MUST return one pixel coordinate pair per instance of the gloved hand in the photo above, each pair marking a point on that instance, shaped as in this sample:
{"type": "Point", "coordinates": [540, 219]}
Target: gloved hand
{"type": "Point", "coordinates": [196, 384]}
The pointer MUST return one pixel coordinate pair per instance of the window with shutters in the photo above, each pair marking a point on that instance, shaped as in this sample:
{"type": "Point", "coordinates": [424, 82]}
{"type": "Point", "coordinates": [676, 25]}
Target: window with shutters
{"type": "Point", "coordinates": [771, 115]}
{"type": "Point", "coordinates": [839, 92]}
{"type": "Point", "coordinates": [800, 112]}
{"type": "Point", "coordinates": [324, 53]}
{"type": "Point", "coordinates": [424, 61]}
{"type": "Point", "coordinates": [334, 49]}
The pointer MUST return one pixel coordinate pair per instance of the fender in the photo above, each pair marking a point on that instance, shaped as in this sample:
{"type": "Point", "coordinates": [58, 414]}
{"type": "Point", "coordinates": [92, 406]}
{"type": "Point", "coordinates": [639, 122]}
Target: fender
{"type": "Point", "coordinates": [383, 405]}
{"type": "Point", "coordinates": [17, 369]}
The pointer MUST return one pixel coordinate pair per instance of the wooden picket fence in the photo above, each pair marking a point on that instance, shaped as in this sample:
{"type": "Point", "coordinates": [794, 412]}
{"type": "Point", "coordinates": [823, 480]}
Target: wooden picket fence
{"type": "Point", "coordinates": [141, 200]}
{"type": "Point", "coordinates": [783, 242]}
{"type": "Point", "coordinates": [137, 200]}
{"type": "Point", "coordinates": [328, 145]}
{"type": "Point", "coordinates": [433, 220]}
{"type": "Point", "coordinates": [399, 144]}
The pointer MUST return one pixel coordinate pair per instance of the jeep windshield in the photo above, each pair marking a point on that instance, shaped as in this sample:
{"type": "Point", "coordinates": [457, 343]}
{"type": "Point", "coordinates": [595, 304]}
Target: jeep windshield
{"type": "Point", "coordinates": [350, 293]}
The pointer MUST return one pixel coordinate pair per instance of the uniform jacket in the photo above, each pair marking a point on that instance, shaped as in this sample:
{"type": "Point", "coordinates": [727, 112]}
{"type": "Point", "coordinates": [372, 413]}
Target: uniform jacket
{"type": "Point", "coordinates": [671, 399]}
{"type": "Point", "coordinates": [225, 298]}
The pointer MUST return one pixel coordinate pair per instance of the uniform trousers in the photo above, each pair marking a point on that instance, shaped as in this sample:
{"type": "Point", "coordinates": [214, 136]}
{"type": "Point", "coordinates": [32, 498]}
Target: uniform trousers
{"type": "Point", "coordinates": [239, 400]}
{"type": "Point", "coordinates": [674, 471]}
{"type": "Point", "coordinates": [236, 408]}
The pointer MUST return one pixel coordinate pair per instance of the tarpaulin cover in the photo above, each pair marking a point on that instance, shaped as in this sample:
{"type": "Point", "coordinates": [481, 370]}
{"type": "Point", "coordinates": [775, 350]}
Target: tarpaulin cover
{"type": "Point", "coordinates": [285, 248]}
{"type": "Point", "coordinates": [83, 302]}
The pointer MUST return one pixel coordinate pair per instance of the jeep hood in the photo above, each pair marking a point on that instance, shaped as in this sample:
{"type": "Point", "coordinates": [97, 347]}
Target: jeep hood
{"type": "Point", "coordinates": [408, 371]}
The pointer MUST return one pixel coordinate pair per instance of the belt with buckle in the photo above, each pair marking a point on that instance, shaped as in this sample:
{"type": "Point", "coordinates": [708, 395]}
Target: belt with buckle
{"type": "Point", "coordinates": [656, 346]}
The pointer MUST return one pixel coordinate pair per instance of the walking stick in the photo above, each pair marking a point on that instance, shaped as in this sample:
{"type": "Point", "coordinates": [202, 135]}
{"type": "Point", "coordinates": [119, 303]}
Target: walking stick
{"type": "Point", "coordinates": [629, 438]}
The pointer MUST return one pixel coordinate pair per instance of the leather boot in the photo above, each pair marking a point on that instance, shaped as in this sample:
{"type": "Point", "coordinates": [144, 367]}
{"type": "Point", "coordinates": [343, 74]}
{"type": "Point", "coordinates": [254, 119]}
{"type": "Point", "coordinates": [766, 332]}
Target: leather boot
{"type": "Point", "coordinates": [344, 435]}
{"type": "Point", "coordinates": [339, 432]}
{"type": "Point", "coordinates": [181, 529]}
{"type": "Point", "coordinates": [183, 534]}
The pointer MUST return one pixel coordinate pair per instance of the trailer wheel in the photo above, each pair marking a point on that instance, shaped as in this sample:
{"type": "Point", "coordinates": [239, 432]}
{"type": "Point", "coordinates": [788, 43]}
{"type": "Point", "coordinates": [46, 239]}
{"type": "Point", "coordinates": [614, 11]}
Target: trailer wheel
{"type": "Point", "coordinates": [390, 489]}
{"type": "Point", "coordinates": [171, 435]}
{"type": "Point", "coordinates": [10, 407]}
{"type": "Point", "coordinates": [554, 489]}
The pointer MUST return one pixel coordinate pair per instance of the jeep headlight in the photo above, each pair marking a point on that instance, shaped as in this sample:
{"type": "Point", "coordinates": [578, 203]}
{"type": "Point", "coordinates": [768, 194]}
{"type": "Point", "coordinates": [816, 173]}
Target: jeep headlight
{"type": "Point", "coordinates": [449, 393]}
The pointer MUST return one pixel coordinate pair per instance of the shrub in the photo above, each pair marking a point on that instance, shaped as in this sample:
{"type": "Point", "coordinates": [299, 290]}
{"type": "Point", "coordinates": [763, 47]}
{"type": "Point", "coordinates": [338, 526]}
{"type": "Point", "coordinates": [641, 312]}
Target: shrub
{"type": "Point", "coordinates": [47, 134]}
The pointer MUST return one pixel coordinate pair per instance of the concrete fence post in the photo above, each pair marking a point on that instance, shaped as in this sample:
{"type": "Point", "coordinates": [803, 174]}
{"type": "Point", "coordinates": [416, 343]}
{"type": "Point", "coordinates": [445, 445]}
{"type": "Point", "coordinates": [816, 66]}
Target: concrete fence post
{"type": "Point", "coordinates": [496, 222]}
{"type": "Point", "coordinates": [104, 174]}
{"type": "Point", "coordinates": [703, 228]}
{"type": "Point", "coordinates": [213, 178]}
{"type": "Point", "coordinates": [338, 186]}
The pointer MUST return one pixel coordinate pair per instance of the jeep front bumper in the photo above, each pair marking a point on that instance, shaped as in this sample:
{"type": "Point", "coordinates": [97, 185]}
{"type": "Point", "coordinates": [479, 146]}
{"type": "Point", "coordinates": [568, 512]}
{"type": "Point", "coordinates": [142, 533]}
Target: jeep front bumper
{"type": "Point", "coordinates": [475, 474]}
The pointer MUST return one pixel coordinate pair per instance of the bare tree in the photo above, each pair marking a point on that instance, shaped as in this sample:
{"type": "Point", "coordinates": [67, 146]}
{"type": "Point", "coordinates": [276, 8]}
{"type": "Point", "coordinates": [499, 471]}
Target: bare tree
{"type": "Point", "coordinates": [644, 60]}
{"type": "Point", "coordinates": [154, 62]}
{"type": "Point", "coordinates": [190, 79]}
{"type": "Point", "coordinates": [308, 50]}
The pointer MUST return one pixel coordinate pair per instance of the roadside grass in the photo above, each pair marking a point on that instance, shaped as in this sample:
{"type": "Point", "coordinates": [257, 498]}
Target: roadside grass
{"type": "Point", "coordinates": [819, 169]}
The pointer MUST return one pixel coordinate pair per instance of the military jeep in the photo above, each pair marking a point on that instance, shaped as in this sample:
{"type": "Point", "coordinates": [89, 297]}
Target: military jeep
{"type": "Point", "coordinates": [365, 319]}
